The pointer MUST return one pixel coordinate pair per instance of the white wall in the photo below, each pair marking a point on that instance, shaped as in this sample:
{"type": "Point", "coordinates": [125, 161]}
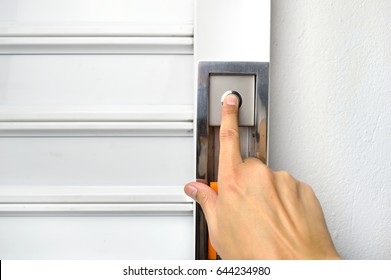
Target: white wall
{"type": "Point", "coordinates": [330, 121]}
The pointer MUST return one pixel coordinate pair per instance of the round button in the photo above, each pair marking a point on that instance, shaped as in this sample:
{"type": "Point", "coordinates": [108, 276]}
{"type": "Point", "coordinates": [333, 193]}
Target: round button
{"type": "Point", "coordinates": [232, 92]}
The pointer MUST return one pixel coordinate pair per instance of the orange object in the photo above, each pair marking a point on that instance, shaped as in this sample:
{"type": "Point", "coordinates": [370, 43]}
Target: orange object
{"type": "Point", "coordinates": [214, 186]}
{"type": "Point", "coordinates": [212, 255]}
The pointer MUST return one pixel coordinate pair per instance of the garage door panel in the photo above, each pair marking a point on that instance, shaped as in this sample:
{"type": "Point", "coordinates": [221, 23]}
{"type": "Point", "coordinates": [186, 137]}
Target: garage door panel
{"type": "Point", "coordinates": [96, 129]}
{"type": "Point", "coordinates": [132, 237]}
{"type": "Point", "coordinates": [92, 80]}
{"type": "Point", "coordinates": [90, 11]}
{"type": "Point", "coordinates": [104, 161]}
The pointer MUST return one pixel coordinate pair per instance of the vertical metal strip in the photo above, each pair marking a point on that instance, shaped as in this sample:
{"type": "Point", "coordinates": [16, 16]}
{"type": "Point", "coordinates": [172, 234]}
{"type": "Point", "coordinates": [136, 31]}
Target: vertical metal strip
{"type": "Point", "coordinates": [202, 140]}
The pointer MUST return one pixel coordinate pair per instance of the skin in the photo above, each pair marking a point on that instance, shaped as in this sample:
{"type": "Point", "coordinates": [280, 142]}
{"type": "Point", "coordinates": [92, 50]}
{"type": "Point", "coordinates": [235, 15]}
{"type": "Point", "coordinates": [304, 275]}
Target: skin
{"type": "Point", "coordinates": [259, 213]}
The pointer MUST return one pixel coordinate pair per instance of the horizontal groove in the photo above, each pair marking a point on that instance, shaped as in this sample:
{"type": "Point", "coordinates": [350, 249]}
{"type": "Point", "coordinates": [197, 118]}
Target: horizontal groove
{"type": "Point", "coordinates": [96, 45]}
{"type": "Point", "coordinates": [135, 113]}
{"type": "Point", "coordinates": [12, 210]}
{"type": "Point", "coordinates": [96, 30]}
{"type": "Point", "coordinates": [95, 121]}
{"type": "Point", "coordinates": [95, 129]}
{"type": "Point", "coordinates": [92, 194]}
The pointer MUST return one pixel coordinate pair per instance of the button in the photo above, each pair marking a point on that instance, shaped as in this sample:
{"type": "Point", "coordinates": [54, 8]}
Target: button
{"type": "Point", "coordinates": [232, 92]}
{"type": "Point", "coordinates": [219, 84]}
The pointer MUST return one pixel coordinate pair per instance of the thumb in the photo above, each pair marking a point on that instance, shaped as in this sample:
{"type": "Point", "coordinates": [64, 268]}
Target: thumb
{"type": "Point", "coordinates": [205, 196]}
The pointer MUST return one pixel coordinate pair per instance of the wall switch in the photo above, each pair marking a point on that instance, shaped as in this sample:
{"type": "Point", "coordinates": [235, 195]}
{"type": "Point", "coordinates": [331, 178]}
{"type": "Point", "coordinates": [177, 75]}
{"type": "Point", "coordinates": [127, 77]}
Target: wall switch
{"type": "Point", "coordinates": [244, 85]}
{"type": "Point", "coordinates": [250, 80]}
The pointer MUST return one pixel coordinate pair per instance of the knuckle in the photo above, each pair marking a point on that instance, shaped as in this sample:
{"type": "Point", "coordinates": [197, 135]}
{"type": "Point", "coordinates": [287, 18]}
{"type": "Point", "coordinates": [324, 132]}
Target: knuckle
{"type": "Point", "coordinates": [251, 161]}
{"type": "Point", "coordinates": [255, 166]}
{"type": "Point", "coordinates": [266, 172]}
{"type": "Point", "coordinates": [259, 172]}
{"type": "Point", "coordinates": [286, 176]}
{"type": "Point", "coordinates": [229, 133]}
{"type": "Point", "coordinates": [307, 195]}
{"type": "Point", "coordinates": [307, 189]}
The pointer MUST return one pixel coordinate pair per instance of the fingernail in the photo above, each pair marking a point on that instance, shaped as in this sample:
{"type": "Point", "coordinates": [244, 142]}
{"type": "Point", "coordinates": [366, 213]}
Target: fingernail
{"type": "Point", "coordinates": [191, 191]}
{"type": "Point", "coordinates": [232, 99]}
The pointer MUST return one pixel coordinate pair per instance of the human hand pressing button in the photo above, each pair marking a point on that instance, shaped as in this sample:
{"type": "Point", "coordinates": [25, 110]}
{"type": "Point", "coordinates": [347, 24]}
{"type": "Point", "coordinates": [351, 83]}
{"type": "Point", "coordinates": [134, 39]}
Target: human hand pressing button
{"type": "Point", "coordinates": [259, 213]}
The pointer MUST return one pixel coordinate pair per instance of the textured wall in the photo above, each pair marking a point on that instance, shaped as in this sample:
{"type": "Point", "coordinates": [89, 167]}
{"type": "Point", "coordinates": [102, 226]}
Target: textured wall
{"type": "Point", "coordinates": [331, 113]}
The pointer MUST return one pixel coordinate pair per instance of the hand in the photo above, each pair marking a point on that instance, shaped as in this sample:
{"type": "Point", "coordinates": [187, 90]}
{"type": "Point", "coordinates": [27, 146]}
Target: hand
{"type": "Point", "coordinates": [258, 213]}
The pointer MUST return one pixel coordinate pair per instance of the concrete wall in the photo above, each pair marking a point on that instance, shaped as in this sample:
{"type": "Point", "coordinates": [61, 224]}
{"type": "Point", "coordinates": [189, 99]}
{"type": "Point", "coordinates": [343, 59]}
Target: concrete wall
{"type": "Point", "coordinates": [330, 123]}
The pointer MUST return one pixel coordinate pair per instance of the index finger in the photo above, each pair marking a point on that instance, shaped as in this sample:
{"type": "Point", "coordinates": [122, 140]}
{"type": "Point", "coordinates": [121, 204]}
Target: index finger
{"type": "Point", "coordinates": [229, 135]}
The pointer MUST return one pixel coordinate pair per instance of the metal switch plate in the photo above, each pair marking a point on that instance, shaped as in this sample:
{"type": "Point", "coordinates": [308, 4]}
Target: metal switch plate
{"type": "Point", "coordinates": [251, 80]}
{"type": "Point", "coordinates": [244, 85]}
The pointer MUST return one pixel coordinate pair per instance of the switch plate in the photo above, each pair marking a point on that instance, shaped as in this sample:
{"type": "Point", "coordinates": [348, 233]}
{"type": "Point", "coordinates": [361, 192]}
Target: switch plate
{"type": "Point", "coordinates": [251, 80]}
{"type": "Point", "coordinates": [244, 85]}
